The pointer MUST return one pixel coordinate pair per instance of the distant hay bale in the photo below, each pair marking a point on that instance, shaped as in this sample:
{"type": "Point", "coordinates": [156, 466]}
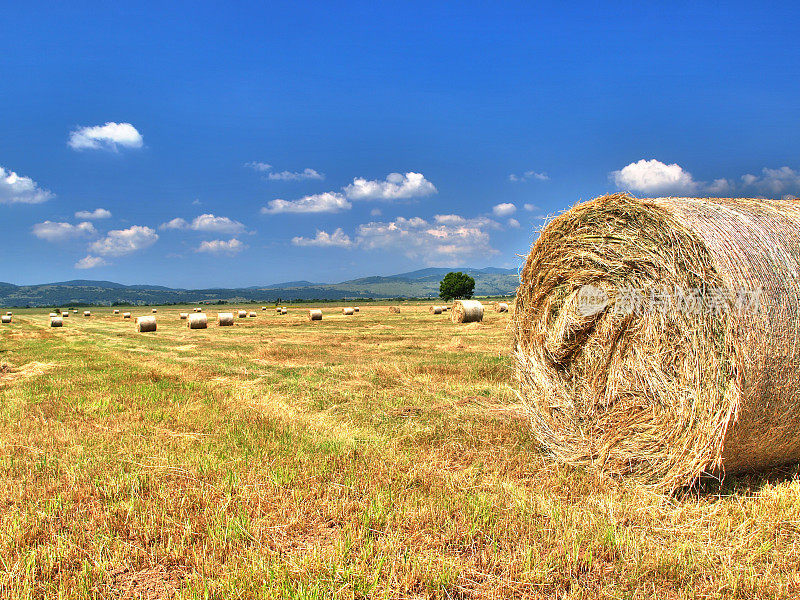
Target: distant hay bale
{"type": "Point", "coordinates": [145, 324]}
{"type": "Point", "coordinates": [435, 310]}
{"type": "Point", "coordinates": [315, 314]}
{"type": "Point", "coordinates": [87, 313]}
{"type": "Point", "coordinates": [116, 311]}
{"type": "Point", "coordinates": [155, 310]}
{"type": "Point", "coordinates": [9, 313]}
{"type": "Point", "coordinates": [252, 314]}
{"type": "Point", "coordinates": [6, 318]}
{"type": "Point", "coordinates": [501, 307]}
{"type": "Point", "coordinates": [75, 311]}
{"type": "Point", "coordinates": [65, 314]}
{"type": "Point", "coordinates": [225, 319]}
{"type": "Point", "coordinates": [183, 316]}
{"type": "Point", "coordinates": [467, 311]}
{"type": "Point", "coordinates": [126, 315]}
{"type": "Point", "coordinates": [394, 309]}
{"type": "Point", "coordinates": [284, 311]}
{"type": "Point", "coordinates": [56, 321]}
{"type": "Point", "coordinates": [54, 315]}
{"type": "Point", "coordinates": [263, 308]}
{"type": "Point", "coordinates": [356, 308]}
{"type": "Point", "coordinates": [657, 338]}
{"type": "Point", "coordinates": [198, 309]}
{"type": "Point", "coordinates": [348, 310]}
{"type": "Point", "coordinates": [197, 321]}
{"type": "Point", "coordinates": [242, 314]}
{"type": "Point", "coordinates": [278, 309]}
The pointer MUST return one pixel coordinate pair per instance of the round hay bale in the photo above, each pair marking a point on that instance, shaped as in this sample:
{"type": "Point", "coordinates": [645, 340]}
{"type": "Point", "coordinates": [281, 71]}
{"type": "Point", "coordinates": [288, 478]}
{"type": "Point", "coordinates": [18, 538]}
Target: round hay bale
{"type": "Point", "coordinates": [435, 310]}
{"type": "Point", "coordinates": [197, 321]}
{"type": "Point", "coordinates": [65, 314]}
{"type": "Point", "coordinates": [658, 337]}
{"type": "Point", "coordinates": [315, 314]}
{"type": "Point", "coordinates": [155, 310]}
{"type": "Point", "coordinates": [501, 307]}
{"type": "Point", "coordinates": [116, 311]}
{"type": "Point", "coordinates": [394, 309]}
{"type": "Point", "coordinates": [87, 313]}
{"type": "Point", "coordinates": [6, 318]}
{"type": "Point", "coordinates": [467, 311]}
{"type": "Point", "coordinates": [225, 319]}
{"type": "Point", "coordinates": [242, 314]}
{"type": "Point", "coordinates": [126, 315]}
{"type": "Point", "coordinates": [348, 310]}
{"type": "Point", "coordinates": [74, 311]}
{"type": "Point", "coordinates": [278, 309]}
{"type": "Point", "coordinates": [284, 311]}
{"type": "Point", "coordinates": [9, 313]}
{"type": "Point", "coordinates": [54, 315]}
{"type": "Point", "coordinates": [263, 308]}
{"type": "Point", "coordinates": [183, 316]}
{"type": "Point", "coordinates": [56, 321]}
{"type": "Point", "coordinates": [356, 309]}
{"type": "Point", "coordinates": [252, 314]}
{"type": "Point", "coordinates": [145, 324]}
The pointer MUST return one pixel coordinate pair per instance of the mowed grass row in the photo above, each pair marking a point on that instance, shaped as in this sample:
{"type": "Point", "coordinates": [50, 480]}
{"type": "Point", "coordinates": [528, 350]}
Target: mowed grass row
{"type": "Point", "coordinates": [377, 455]}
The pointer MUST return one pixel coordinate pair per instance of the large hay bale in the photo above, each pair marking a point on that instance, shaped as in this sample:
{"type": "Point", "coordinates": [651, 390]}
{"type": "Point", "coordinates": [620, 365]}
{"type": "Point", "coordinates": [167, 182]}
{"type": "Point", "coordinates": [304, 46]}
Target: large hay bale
{"type": "Point", "coordinates": [6, 318]}
{"type": "Point", "coordinates": [394, 309]}
{"type": "Point", "coordinates": [56, 321]}
{"type": "Point", "coordinates": [145, 324]}
{"type": "Point", "coordinates": [87, 313]}
{"type": "Point", "coordinates": [348, 310]}
{"type": "Point", "coordinates": [644, 345]}
{"type": "Point", "coordinates": [435, 310]}
{"type": "Point", "coordinates": [225, 319]}
{"type": "Point", "coordinates": [183, 316]}
{"type": "Point", "coordinates": [315, 314]}
{"type": "Point", "coordinates": [126, 315]}
{"type": "Point", "coordinates": [242, 314]}
{"type": "Point", "coordinates": [467, 311]}
{"type": "Point", "coordinates": [501, 307]}
{"type": "Point", "coordinates": [198, 321]}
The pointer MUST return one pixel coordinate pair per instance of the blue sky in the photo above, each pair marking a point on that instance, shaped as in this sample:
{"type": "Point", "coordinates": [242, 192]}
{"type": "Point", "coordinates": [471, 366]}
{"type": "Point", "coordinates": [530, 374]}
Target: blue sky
{"type": "Point", "coordinates": [257, 143]}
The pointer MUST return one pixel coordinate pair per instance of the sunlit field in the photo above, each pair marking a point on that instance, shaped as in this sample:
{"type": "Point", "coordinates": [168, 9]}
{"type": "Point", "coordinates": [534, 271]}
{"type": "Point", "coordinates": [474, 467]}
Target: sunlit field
{"type": "Point", "coordinates": [369, 456]}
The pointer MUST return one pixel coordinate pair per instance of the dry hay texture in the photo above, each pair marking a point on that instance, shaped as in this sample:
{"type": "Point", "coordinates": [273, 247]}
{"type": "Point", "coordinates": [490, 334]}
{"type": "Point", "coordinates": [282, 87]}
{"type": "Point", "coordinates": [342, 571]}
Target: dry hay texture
{"type": "Point", "coordinates": [145, 324]}
{"type": "Point", "coordinates": [183, 316]}
{"type": "Point", "coordinates": [56, 322]}
{"type": "Point", "coordinates": [501, 306]}
{"type": "Point", "coordinates": [6, 319]}
{"type": "Point", "coordinates": [435, 310]}
{"type": "Point", "coordinates": [467, 311]}
{"type": "Point", "coordinates": [677, 390]}
{"type": "Point", "coordinates": [394, 309]}
{"type": "Point", "coordinates": [199, 321]}
{"type": "Point", "coordinates": [315, 314]}
{"type": "Point", "coordinates": [242, 314]}
{"type": "Point", "coordinates": [225, 319]}
{"type": "Point", "coordinates": [348, 310]}
{"type": "Point", "coordinates": [87, 313]}
{"type": "Point", "coordinates": [126, 315]}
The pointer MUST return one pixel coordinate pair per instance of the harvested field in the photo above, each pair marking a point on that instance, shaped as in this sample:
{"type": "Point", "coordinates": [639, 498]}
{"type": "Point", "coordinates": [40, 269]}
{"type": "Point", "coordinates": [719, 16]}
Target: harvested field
{"type": "Point", "coordinates": [373, 457]}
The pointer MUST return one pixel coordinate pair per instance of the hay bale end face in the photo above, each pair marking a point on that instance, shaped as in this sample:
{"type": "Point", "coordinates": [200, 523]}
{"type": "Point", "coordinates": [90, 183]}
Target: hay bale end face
{"type": "Point", "coordinates": [435, 310]}
{"type": "Point", "coordinates": [467, 311]}
{"type": "Point", "coordinates": [225, 319]}
{"type": "Point", "coordinates": [56, 322]}
{"type": "Point", "coordinates": [145, 324]}
{"type": "Point", "coordinates": [656, 338]}
{"type": "Point", "coordinates": [348, 310]}
{"type": "Point", "coordinates": [126, 315]}
{"type": "Point", "coordinates": [197, 321]}
{"type": "Point", "coordinates": [315, 314]}
{"type": "Point", "coordinates": [6, 318]}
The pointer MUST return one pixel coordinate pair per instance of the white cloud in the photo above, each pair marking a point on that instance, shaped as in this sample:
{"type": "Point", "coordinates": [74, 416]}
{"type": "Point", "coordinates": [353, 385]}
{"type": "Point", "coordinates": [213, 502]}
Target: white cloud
{"type": "Point", "coordinates": [719, 187]}
{"type": "Point", "coordinates": [450, 219]}
{"type": "Point", "coordinates": [90, 262]}
{"type": "Point", "coordinates": [375, 212]}
{"type": "Point", "coordinates": [105, 137]}
{"type": "Point", "coordinates": [296, 176]}
{"type": "Point", "coordinates": [259, 166]}
{"type": "Point", "coordinates": [176, 223]}
{"type": "Point", "coordinates": [774, 181]}
{"type": "Point", "coordinates": [437, 243]}
{"type": "Point", "coordinates": [527, 176]}
{"type": "Point", "coordinates": [97, 213]}
{"type": "Point", "coordinates": [396, 186]}
{"type": "Point", "coordinates": [119, 242]}
{"type": "Point", "coordinates": [325, 239]}
{"type": "Point", "coordinates": [209, 222]}
{"type": "Point", "coordinates": [655, 177]}
{"type": "Point", "coordinates": [513, 223]}
{"type": "Point", "coordinates": [59, 232]}
{"type": "Point", "coordinates": [16, 189]}
{"type": "Point", "coordinates": [328, 202]}
{"type": "Point", "coordinates": [531, 207]}
{"type": "Point", "coordinates": [232, 246]}
{"type": "Point", "coordinates": [504, 209]}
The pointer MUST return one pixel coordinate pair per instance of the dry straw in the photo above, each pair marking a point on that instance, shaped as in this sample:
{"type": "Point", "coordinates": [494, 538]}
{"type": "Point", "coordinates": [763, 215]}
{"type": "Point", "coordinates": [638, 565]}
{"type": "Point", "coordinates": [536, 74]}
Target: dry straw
{"type": "Point", "coordinates": [145, 324]}
{"type": "Point", "coordinates": [435, 310]}
{"type": "Point", "coordinates": [348, 310]}
{"type": "Point", "coordinates": [126, 315]}
{"type": "Point", "coordinates": [6, 318]}
{"type": "Point", "coordinates": [501, 307]}
{"type": "Point", "coordinates": [198, 321]}
{"type": "Point", "coordinates": [183, 316]}
{"type": "Point", "coordinates": [263, 308]}
{"type": "Point", "coordinates": [56, 321]}
{"type": "Point", "coordinates": [315, 314]}
{"type": "Point", "coordinates": [198, 309]}
{"type": "Point", "coordinates": [225, 319]}
{"type": "Point", "coordinates": [394, 309]}
{"type": "Point", "coordinates": [467, 311]}
{"type": "Point", "coordinates": [701, 379]}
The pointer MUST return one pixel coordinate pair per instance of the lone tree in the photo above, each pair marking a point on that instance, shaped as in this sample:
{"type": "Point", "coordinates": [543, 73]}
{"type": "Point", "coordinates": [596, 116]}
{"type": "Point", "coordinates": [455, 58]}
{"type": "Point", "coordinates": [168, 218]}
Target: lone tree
{"type": "Point", "coordinates": [456, 285]}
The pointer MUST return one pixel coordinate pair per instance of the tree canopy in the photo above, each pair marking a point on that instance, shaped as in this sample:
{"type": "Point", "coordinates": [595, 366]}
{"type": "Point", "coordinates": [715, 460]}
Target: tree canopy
{"type": "Point", "coordinates": [456, 285]}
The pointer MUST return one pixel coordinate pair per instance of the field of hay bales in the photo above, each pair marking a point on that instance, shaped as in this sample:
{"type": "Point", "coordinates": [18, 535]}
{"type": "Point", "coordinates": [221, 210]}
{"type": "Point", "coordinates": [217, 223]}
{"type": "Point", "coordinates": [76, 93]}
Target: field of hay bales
{"type": "Point", "coordinates": [376, 455]}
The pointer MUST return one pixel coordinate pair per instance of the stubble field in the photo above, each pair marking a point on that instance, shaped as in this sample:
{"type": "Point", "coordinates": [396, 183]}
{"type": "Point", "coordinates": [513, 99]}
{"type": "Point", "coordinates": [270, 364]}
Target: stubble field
{"type": "Point", "coordinates": [371, 456]}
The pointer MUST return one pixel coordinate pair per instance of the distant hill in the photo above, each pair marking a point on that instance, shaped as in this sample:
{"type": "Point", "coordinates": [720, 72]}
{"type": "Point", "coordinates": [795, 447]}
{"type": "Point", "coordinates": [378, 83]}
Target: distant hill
{"type": "Point", "coordinates": [423, 283]}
